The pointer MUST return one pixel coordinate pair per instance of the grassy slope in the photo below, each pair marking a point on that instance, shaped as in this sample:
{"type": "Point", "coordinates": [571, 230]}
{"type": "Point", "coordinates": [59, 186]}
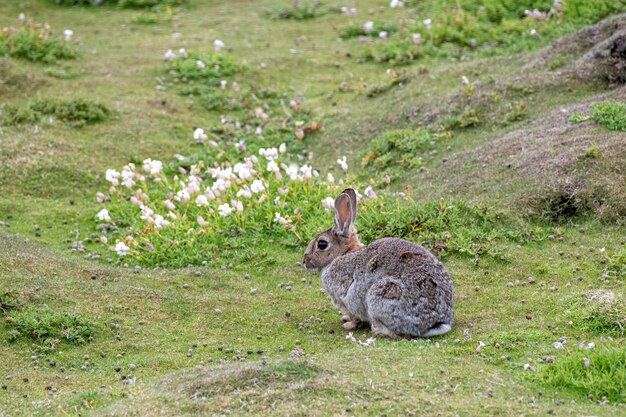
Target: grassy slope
{"type": "Point", "coordinates": [43, 169]}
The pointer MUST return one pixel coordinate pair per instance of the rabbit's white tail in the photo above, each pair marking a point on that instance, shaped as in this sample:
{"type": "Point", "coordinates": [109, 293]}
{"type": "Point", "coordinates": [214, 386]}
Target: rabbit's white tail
{"type": "Point", "coordinates": [437, 331]}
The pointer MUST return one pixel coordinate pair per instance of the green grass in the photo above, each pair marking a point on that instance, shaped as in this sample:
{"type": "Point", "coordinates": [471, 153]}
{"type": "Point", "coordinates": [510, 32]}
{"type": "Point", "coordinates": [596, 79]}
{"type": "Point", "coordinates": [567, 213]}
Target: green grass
{"type": "Point", "coordinates": [48, 328]}
{"type": "Point", "coordinates": [461, 166]}
{"type": "Point", "coordinates": [598, 373]}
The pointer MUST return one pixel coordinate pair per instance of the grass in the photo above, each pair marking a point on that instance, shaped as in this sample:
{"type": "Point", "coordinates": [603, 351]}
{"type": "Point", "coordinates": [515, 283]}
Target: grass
{"type": "Point", "coordinates": [599, 374]}
{"type": "Point", "coordinates": [194, 338]}
{"type": "Point", "coordinates": [77, 112]}
{"type": "Point", "coordinates": [49, 328]}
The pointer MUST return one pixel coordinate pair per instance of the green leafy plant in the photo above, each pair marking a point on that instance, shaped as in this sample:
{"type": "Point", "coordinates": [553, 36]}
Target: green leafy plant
{"type": "Point", "coordinates": [8, 301]}
{"type": "Point", "coordinates": [49, 328]}
{"type": "Point", "coordinates": [518, 112]}
{"type": "Point", "coordinates": [578, 117]}
{"type": "Point", "coordinates": [298, 10]}
{"type": "Point", "coordinates": [34, 42]}
{"type": "Point", "coordinates": [611, 115]}
{"type": "Point", "coordinates": [77, 113]}
{"type": "Point", "coordinates": [356, 30]}
{"type": "Point", "coordinates": [405, 147]}
{"type": "Point", "coordinates": [208, 68]}
{"type": "Point", "coordinates": [490, 26]}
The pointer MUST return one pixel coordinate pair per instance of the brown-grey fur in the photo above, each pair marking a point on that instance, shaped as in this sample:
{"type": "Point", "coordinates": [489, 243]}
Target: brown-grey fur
{"type": "Point", "coordinates": [397, 286]}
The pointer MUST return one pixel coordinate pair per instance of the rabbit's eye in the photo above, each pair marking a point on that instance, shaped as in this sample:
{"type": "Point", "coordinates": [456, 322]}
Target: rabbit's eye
{"type": "Point", "coordinates": [322, 244]}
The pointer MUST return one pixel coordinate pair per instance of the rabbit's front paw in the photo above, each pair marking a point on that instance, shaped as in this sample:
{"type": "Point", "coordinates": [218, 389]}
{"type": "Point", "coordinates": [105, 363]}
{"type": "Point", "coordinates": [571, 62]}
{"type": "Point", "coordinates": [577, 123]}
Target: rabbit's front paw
{"type": "Point", "coordinates": [350, 325]}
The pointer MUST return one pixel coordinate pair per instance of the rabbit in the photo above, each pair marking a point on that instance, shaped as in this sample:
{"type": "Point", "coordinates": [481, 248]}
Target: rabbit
{"type": "Point", "coordinates": [398, 287]}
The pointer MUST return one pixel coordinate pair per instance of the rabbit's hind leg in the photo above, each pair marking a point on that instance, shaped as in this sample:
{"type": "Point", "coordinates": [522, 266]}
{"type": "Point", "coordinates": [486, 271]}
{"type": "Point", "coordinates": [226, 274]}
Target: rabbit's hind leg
{"type": "Point", "coordinates": [379, 329]}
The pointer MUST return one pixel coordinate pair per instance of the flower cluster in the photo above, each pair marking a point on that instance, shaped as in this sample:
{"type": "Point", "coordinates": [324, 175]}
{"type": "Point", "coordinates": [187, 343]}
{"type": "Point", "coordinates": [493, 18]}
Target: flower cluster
{"type": "Point", "coordinates": [265, 189]}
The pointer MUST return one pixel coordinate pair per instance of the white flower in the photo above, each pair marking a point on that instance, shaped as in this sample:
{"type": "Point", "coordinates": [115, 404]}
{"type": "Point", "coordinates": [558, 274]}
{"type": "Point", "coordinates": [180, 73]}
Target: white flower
{"type": "Point", "coordinates": [383, 34]}
{"type": "Point", "coordinates": [534, 33]}
{"type": "Point", "coordinates": [280, 219]}
{"type": "Point", "coordinates": [202, 222]}
{"type": "Point", "coordinates": [200, 64]}
{"type": "Point", "coordinates": [270, 153]}
{"type": "Point", "coordinates": [244, 192]}
{"type": "Point", "coordinates": [224, 210]}
{"type": "Point", "coordinates": [328, 203]}
{"type": "Point", "coordinates": [122, 249]}
{"type": "Point", "coordinates": [152, 167]}
{"type": "Point", "coordinates": [465, 80]}
{"type": "Point", "coordinates": [202, 201]}
{"type": "Point", "coordinates": [330, 178]}
{"type": "Point", "coordinates": [168, 204]}
{"type": "Point", "coordinates": [395, 4]}
{"type": "Point", "coordinates": [100, 197]}
{"type": "Point", "coordinates": [417, 38]}
{"type": "Point", "coordinates": [199, 134]}
{"type": "Point", "coordinates": [307, 171]}
{"type": "Point", "coordinates": [220, 185]}
{"type": "Point", "coordinates": [282, 148]}
{"type": "Point", "coordinates": [169, 55]}
{"type": "Point", "coordinates": [209, 194]}
{"type": "Point", "coordinates": [218, 45]}
{"type": "Point", "coordinates": [103, 215]}
{"type": "Point", "coordinates": [236, 204]}
{"type": "Point", "coordinates": [127, 177]}
{"type": "Point", "coordinates": [183, 196]}
{"type": "Point", "coordinates": [292, 171]}
{"type": "Point", "coordinates": [370, 193]}
{"type": "Point", "coordinates": [223, 84]}
{"type": "Point", "coordinates": [272, 166]}
{"type": "Point", "coordinates": [112, 176]}
{"type": "Point", "coordinates": [257, 186]}
{"type": "Point", "coordinates": [183, 52]}
{"type": "Point", "coordinates": [428, 23]}
{"type": "Point", "coordinates": [194, 185]}
{"type": "Point", "coordinates": [68, 33]}
{"type": "Point", "coordinates": [368, 27]}
{"type": "Point", "coordinates": [146, 213]}
{"type": "Point", "coordinates": [243, 171]}
{"type": "Point", "coordinates": [343, 164]}
{"type": "Point", "coordinates": [21, 17]}
{"type": "Point", "coordinates": [557, 345]}
{"type": "Point", "coordinates": [160, 222]}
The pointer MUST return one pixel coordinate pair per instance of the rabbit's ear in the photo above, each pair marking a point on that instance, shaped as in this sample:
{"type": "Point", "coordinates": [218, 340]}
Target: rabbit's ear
{"type": "Point", "coordinates": [352, 194]}
{"type": "Point", "coordinates": [343, 215]}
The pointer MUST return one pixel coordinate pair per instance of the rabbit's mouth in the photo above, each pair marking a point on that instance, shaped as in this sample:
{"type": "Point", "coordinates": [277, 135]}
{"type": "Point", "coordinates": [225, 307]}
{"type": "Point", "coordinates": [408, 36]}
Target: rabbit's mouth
{"type": "Point", "coordinates": [309, 266]}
